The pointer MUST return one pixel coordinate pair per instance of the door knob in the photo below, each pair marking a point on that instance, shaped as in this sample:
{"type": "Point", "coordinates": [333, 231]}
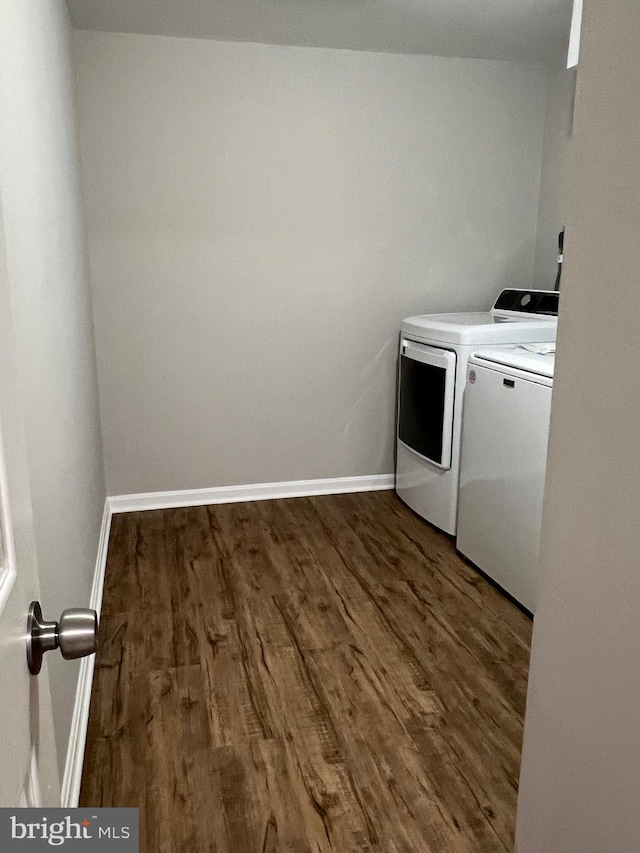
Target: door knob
{"type": "Point", "coordinates": [76, 634]}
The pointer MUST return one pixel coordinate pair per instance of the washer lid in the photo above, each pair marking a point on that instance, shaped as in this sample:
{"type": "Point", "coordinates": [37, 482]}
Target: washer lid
{"type": "Point", "coordinates": [540, 364]}
{"type": "Point", "coordinates": [479, 328]}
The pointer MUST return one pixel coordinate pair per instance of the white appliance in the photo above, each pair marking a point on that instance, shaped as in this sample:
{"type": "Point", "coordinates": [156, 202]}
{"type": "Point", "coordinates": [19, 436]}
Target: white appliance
{"type": "Point", "coordinates": [434, 350]}
{"type": "Point", "coordinates": [504, 449]}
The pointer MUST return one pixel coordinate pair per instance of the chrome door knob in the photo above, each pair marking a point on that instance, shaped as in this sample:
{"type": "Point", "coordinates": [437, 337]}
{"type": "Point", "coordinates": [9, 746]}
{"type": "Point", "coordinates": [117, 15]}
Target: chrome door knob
{"type": "Point", "coordinates": [76, 634]}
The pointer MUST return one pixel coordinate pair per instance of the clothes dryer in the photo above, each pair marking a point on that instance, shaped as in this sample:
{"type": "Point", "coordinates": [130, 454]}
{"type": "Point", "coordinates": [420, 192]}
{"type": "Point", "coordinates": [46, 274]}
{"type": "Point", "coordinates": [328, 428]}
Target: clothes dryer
{"type": "Point", "coordinates": [434, 351]}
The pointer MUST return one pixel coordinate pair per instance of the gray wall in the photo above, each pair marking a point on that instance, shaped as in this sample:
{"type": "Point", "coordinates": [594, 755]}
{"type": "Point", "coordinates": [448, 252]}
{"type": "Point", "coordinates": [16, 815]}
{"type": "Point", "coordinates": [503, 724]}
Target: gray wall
{"type": "Point", "coordinates": [557, 177]}
{"type": "Point", "coordinates": [47, 272]}
{"type": "Point", "coordinates": [581, 762]}
{"type": "Point", "coordinates": [262, 218]}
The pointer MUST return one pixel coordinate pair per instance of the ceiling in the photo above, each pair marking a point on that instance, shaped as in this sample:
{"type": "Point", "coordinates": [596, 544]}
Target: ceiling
{"type": "Point", "coordinates": [488, 29]}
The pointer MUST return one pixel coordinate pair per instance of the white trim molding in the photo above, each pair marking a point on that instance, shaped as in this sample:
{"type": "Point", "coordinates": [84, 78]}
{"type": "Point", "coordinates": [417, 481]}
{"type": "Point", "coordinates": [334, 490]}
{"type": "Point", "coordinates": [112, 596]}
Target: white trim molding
{"type": "Point", "coordinates": [574, 35]}
{"type": "Point", "coordinates": [77, 739]}
{"type": "Point", "coordinates": [255, 492]}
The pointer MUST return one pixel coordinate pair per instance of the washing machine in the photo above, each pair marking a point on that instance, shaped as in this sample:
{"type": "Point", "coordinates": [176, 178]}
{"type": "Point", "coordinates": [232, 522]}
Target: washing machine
{"type": "Point", "coordinates": [434, 352]}
{"type": "Point", "coordinates": [502, 469]}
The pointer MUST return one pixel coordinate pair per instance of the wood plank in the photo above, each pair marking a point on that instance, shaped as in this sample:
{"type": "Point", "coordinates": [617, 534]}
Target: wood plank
{"type": "Point", "coordinates": [317, 674]}
{"type": "Point", "coordinates": [473, 669]}
{"type": "Point", "coordinates": [183, 791]}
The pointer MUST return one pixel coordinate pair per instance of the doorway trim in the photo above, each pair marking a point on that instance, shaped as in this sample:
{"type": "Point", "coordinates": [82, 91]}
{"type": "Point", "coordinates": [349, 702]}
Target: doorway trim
{"type": "Point", "coordinates": [72, 779]}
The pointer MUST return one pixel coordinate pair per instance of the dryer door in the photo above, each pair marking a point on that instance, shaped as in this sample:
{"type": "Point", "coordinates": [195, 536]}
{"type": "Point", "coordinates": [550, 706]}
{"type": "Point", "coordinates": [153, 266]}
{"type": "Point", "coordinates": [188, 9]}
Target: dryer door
{"type": "Point", "coordinates": [426, 393]}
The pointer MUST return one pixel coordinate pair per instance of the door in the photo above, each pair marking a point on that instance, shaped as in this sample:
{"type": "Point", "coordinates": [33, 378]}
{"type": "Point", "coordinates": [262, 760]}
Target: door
{"type": "Point", "coordinates": [426, 393]}
{"type": "Point", "coordinates": [29, 769]}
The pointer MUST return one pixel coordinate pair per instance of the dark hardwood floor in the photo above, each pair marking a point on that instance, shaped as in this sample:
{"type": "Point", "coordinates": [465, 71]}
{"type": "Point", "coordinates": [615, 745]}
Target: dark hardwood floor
{"type": "Point", "coordinates": [315, 674]}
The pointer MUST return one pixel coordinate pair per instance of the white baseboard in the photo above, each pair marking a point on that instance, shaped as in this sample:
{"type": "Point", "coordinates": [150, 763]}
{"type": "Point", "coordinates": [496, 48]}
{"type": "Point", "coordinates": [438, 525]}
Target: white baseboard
{"type": "Point", "coordinates": [77, 739]}
{"type": "Point", "coordinates": [255, 492]}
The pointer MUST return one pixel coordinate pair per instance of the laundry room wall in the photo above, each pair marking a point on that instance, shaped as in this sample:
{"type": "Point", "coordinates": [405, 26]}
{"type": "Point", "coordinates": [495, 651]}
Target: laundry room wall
{"type": "Point", "coordinates": [260, 221]}
{"type": "Point", "coordinates": [581, 758]}
{"type": "Point", "coordinates": [556, 182]}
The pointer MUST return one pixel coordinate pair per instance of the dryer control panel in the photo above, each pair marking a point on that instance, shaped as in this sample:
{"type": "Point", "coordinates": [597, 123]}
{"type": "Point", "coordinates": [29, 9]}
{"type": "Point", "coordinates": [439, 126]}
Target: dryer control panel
{"type": "Point", "coordinates": [532, 302]}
